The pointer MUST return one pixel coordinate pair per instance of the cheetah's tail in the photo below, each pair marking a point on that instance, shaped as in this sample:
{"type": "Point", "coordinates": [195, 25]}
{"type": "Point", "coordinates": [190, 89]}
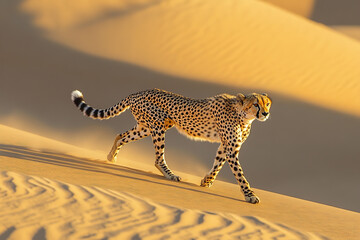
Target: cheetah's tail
{"type": "Point", "coordinates": [78, 99]}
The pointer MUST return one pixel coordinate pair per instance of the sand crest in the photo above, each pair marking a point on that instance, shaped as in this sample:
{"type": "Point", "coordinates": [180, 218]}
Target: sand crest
{"type": "Point", "coordinates": [226, 43]}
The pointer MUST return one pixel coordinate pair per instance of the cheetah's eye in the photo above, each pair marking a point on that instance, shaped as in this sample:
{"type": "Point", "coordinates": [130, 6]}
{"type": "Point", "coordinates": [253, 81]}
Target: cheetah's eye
{"type": "Point", "coordinates": [256, 105]}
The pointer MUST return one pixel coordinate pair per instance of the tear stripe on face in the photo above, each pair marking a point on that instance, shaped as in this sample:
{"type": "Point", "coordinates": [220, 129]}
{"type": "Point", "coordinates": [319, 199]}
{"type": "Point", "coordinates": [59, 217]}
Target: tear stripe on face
{"type": "Point", "coordinates": [258, 112]}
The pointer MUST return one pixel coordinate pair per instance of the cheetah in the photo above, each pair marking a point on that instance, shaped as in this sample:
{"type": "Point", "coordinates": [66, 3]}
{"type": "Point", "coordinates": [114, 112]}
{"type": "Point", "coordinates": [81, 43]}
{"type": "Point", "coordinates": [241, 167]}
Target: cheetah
{"type": "Point", "coordinates": [225, 119]}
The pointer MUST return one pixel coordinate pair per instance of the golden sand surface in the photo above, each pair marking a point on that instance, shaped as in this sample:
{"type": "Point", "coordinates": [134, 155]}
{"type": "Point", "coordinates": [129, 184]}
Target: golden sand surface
{"type": "Point", "coordinates": [48, 191]}
{"type": "Point", "coordinates": [58, 210]}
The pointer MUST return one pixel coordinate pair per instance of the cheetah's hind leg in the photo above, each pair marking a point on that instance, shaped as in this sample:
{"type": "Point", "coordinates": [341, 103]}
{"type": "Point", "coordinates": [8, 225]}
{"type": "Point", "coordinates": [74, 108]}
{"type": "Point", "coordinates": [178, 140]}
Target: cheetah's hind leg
{"type": "Point", "coordinates": [112, 156]}
{"type": "Point", "coordinates": [132, 135]}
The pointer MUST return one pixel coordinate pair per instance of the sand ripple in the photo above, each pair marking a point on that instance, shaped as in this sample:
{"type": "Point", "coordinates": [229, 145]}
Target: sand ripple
{"type": "Point", "coordinates": [40, 208]}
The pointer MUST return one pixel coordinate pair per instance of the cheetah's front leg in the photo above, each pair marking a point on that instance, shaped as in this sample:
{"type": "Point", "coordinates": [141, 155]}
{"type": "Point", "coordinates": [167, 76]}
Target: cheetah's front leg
{"type": "Point", "coordinates": [158, 137]}
{"type": "Point", "coordinates": [233, 160]}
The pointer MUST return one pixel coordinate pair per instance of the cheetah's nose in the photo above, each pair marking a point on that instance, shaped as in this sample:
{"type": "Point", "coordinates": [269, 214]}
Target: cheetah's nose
{"type": "Point", "coordinates": [265, 114]}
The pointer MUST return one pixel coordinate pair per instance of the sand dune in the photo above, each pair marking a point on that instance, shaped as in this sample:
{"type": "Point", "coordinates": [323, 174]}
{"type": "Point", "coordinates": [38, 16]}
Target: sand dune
{"type": "Point", "coordinates": [109, 49]}
{"type": "Point", "coordinates": [299, 157]}
{"type": "Point", "coordinates": [55, 210]}
{"type": "Point", "coordinates": [224, 43]}
{"type": "Point", "coordinates": [96, 199]}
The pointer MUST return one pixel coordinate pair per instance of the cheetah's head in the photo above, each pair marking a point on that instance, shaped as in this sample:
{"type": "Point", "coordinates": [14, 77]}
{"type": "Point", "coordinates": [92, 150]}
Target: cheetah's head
{"type": "Point", "coordinates": [256, 106]}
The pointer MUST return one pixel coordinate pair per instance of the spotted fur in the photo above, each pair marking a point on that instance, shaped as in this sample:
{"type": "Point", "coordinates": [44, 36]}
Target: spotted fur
{"type": "Point", "coordinates": [225, 119]}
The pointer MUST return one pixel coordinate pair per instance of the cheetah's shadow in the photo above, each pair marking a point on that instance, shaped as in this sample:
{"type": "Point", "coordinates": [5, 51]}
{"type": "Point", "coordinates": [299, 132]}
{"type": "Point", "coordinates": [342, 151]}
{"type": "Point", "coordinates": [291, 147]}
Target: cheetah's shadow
{"type": "Point", "coordinates": [99, 166]}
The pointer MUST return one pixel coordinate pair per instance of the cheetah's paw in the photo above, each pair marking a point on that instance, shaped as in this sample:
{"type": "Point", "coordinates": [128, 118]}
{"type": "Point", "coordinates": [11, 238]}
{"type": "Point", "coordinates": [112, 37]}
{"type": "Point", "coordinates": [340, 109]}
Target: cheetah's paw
{"type": "Point", "coordinates": [205, 182]}
{"type": "Point", "coordinates": [111, 158]}
{"type": "Point", "coordinates": [168, 173]}
{"type": "Point", "coordinates": [174, 178]}
{"type": "Point", "coordinates": [252, 199]}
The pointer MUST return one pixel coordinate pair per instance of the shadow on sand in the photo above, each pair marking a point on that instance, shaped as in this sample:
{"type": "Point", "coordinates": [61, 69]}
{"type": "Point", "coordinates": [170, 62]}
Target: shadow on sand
{"type": "Point", "coordinates": [97, 166]}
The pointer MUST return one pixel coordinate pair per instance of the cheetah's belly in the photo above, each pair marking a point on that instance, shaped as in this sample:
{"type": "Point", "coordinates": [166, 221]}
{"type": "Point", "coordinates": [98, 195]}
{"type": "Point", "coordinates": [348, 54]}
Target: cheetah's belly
{"type": "Point", "coordinates": [210, 135]}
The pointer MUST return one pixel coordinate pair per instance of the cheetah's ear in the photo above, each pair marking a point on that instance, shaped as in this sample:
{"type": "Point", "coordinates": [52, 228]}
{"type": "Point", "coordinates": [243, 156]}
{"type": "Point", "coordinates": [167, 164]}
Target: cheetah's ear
{"type": "Point", "coordinates": [241, 97]}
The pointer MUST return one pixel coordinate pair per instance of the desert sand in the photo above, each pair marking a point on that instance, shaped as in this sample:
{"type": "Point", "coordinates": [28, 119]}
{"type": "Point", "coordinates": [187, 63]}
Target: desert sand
{"type": "Point", "coordinates": [308, 149]}
{"type": "Point", "coordinates": [60, 191]}
{"type": "Point", "coordinates": [75, 212]}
